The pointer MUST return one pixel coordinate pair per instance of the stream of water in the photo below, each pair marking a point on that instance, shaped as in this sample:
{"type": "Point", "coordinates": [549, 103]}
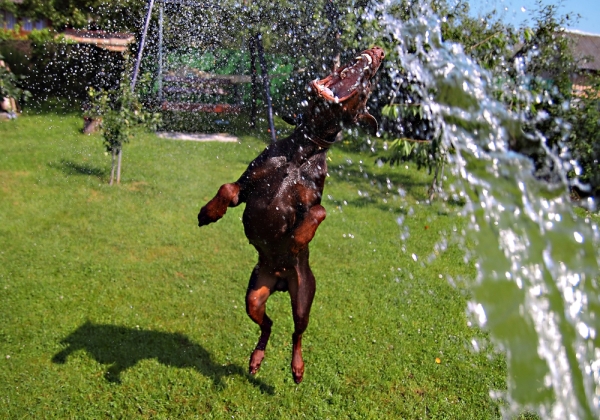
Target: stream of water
{"type": "Point", "coordinates": [537, 289]}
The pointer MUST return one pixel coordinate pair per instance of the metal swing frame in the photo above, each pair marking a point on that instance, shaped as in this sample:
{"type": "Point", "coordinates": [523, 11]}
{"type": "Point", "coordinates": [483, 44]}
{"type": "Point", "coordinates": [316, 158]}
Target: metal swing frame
{"type": "Point", "coordinates": [255, 47]}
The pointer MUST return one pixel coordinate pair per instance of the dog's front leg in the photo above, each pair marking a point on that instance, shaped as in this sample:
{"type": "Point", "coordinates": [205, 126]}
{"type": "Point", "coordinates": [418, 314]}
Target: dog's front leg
{"type": "Point", "coordinates": [228, 196]}
{"type": "Point", "coordinates": [306, 229]}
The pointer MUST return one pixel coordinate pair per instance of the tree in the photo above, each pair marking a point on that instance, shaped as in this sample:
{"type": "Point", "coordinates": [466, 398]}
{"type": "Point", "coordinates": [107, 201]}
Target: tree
{"type": "Point", "coordinates": [9, 86]}
{"type": "Point", "coordinates": [122, 115]}
{"type": "Point", "coordinates": [117, 15]}
{"type": "Point", "coordinates": [532, 71]}
{"type": "Point", "coordinates": [584, 138]}
{"type": "Point", "coordinates": [8, 82]}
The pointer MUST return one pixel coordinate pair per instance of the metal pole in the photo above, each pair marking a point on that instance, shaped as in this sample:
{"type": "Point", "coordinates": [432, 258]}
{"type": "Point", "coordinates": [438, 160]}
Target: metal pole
{"type": "Point", "coordinates": [142, 42]}
{"type": "Point", "coordinates": [333, 14]}
{"type": "Point", "coordinates": [252, 48]}
{"type": "Point", "coordinates": [265, 77]}
{"type": "Point", "coordinates": [160, 52]}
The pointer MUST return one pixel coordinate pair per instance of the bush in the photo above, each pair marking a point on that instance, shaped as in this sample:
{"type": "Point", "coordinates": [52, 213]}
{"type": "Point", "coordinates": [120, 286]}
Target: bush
{"type": "Point", "coordinates": [53, 67]}
{"type": "Point", "coordinates": [121, 114]}
{"type": "Point", "coordinates": [9, 86]}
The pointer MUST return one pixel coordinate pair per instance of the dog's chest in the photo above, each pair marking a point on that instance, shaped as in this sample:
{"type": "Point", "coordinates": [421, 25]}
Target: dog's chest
{"type": "Point", "coordinates": [284, 193]}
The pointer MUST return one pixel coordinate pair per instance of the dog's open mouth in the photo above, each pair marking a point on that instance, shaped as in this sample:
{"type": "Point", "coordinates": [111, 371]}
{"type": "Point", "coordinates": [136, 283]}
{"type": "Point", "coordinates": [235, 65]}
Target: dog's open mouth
{"type": "Point", "coordinates": [351, 79]}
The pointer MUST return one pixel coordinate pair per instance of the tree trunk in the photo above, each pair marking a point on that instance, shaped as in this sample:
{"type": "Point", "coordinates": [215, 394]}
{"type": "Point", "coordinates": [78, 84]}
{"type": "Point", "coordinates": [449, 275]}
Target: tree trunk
{"type": "Point", "coordinates": [112, 167]}
{"type": "Point", "coordinates": [265, 78]}
{"type": "Point", "coordinates": [252, 48]}
{"type": "Point", "coordinates": [336, 54]}
{"type": "Point", "coordinates": [119, 165]}
{"type": "Point", "coordinates": [333, 15]}
{"type": "Point", "coordinates": [438, 179]}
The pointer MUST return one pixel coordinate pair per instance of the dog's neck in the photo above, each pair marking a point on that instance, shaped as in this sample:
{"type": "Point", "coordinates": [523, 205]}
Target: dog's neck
{"type": "Point", "coordinates": [303, 144]}
{"type": "Point", "coordinates": [324, 139]}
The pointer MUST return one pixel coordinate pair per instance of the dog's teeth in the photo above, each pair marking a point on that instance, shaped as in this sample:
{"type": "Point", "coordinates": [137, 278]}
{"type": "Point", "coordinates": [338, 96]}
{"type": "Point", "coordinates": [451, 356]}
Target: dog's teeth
{"type": "Point", "coordinates": [368, 58]}
{"type": "Point", "coordinates": [326, 90]}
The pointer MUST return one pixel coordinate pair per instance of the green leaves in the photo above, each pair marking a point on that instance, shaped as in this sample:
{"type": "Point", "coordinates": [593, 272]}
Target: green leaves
{"type": "Point", "coordinates": [390, 111]}
{"type": "Point", "coordinates": [532, 74]}
{"type": "Point", "coordinates": [584, 139]}
{"type": "Point", "coordinates": [423, 152]}
{"type": "Point", "coordinates": [9, 85]}
{"type": "Point", "coordinates": [121, 112]}
{"type": "Point", "coordinates": [396, 111]}
{"type": "Point", "coordinates": [528, 34]}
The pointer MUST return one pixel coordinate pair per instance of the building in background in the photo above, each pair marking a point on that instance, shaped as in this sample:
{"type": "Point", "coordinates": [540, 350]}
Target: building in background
{"type": "Point", "coordinates": [586, 49]}
{"type": "Point", "coordinates": [115, 42]}
{"type": "Point", "coordinates": [11, 22]}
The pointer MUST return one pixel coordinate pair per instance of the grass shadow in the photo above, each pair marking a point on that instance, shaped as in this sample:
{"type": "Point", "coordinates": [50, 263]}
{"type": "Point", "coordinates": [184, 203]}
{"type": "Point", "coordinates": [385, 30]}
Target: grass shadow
{"type": "Point", "coordinates": [73, 168]}
{"type": "Point", "coordinates": [122, 348]}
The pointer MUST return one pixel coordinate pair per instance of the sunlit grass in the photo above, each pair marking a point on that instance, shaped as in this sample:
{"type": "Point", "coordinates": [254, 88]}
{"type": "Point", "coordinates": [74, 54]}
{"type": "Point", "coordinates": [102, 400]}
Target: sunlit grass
{"type": "Point", "coordinates": [115, 304]}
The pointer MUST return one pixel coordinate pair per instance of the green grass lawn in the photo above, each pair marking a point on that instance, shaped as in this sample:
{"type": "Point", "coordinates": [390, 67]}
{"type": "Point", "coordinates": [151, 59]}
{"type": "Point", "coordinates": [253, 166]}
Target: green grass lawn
{"type": "Point", "coordinates": [115, 304]}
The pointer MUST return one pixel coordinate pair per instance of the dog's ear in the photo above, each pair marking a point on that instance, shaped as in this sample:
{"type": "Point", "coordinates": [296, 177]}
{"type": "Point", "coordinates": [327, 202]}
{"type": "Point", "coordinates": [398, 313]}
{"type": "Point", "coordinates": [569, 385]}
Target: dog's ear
{"type": "Point", "coordinates": [367, 121]}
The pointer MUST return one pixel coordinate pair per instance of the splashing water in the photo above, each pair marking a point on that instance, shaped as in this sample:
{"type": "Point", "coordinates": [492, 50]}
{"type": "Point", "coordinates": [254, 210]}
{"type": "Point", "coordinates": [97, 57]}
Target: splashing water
{"type": "Point", "coordinates": [537, 287]}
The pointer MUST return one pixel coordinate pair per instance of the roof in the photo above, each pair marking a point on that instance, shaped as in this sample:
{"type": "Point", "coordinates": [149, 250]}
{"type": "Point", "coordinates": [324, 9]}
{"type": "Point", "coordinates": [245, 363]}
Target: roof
{"type": "Point", "coordinates": [118, 42]}
{"type": "Point", "coordinates": [586, 47]}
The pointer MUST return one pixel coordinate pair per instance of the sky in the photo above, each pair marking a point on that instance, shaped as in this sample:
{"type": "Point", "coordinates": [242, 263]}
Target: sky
{"type": "Point", "coordinates": [517, 12]}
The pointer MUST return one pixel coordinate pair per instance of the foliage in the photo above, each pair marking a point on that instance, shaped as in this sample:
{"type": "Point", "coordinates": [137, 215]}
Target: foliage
{"type": "Point", "coordinates": [52, 66]}
{"type": "Point", "coordinates": [8, 5]}
{"type": "Point", "coordinates": [584, 138]}
{"type": "Point", "coordinates": [548, 63]}
{"type": "Point", "coordinates": [113, 14]}
{"type": "Point", "coordinates": [485, 38]}
{"type": "Point", "coordinates": [12, 34]}
{"type": "Point", "coordinates": [39, 37]}
{"type": "Point", "coordinates": [532, 70]}
{"type": "Point", "coordinates": [122, 115]}
{"type": "Point", "coordinates": [404, 149]}
{"type": "Point", "coordinates": [9, 85]}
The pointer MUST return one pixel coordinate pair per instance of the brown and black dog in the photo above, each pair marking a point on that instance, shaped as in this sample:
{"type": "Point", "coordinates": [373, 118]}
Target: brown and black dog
{"type": "Point", "coordinates": [282, 189]}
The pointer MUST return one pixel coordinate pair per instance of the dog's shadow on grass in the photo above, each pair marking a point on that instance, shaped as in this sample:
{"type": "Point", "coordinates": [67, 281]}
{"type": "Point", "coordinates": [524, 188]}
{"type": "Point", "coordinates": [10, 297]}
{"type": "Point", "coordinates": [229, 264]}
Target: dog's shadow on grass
{"type": "Point", "coordinates": [123, 347]}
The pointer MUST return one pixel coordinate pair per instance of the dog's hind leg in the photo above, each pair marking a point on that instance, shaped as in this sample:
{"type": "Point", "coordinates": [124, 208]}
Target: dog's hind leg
{"type": "Point", "coordinates": [302, 292]}
{"type": "Point", "coordinates": [262, 284]}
